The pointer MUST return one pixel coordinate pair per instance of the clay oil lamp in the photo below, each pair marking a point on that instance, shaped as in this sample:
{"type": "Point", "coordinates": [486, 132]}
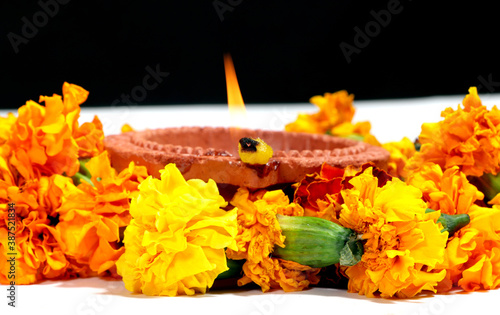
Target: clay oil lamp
{"type": "Point", "coordinates": [212, 152]}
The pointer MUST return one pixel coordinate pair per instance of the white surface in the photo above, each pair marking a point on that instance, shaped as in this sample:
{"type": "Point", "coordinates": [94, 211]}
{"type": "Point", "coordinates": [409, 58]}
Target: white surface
{"type": "Point", "coordinates": [391, 120]}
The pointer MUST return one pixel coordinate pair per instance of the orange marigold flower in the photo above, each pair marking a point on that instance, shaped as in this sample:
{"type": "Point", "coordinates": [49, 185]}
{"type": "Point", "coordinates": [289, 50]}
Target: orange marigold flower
{"type": "Point", "coordinates": [403, 244]}
{"type": "Point", "coordinates": [91, 215]}
{"type": "Point", "coordinates": [49, 137]}
{"type": "Point", "coordinates": [334, 117]}
{"type": "Point", "coordinates": [39, 247]}
{"type": "Point", "coordinates": [473, 253]}
{"type": "Point", "coordinates": [448, 191]}
{"type": "Point", "coordinates": [319, 193]}
{"type": "Point", "coordinates": [90, 139]}
{"type": "Point", "coordinates": [471, 257]}
{"type": "Point", "coordinates": [6, 127]}
{"type": "Point", "coordinates": [42, 137]}
{"type": "Point", "coordinates": [401, 152]}
{"type": "Point", "coordinates": [36, 149]}
{"type": "Point", "coordinates": [468, 137]}
{"type": "Point", "coordinates": [7, 177]}
{"type": "Point", "coordinates": [334, 109]}
{"type": "Point", "coordinates": [258, 233]}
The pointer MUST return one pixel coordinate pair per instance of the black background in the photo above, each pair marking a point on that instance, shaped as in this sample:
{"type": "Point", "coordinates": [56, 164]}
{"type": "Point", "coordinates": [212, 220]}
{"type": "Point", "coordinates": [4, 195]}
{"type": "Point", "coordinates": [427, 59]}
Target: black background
{"type": "Point", "coordinates": [284, 51]}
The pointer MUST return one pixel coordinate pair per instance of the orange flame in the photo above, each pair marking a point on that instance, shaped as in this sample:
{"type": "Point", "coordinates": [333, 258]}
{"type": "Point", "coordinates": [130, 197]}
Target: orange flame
{"type": "Point", "coordinates": [237, 109]}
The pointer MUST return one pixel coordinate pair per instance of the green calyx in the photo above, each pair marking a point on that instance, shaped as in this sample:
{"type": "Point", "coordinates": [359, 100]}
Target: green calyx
{"type": "Point", "coordinates": [352, 252]}
{"type": "Point", "coordinates": [452, 223]}
{"type": "Point", "coordinates": [317, 242]}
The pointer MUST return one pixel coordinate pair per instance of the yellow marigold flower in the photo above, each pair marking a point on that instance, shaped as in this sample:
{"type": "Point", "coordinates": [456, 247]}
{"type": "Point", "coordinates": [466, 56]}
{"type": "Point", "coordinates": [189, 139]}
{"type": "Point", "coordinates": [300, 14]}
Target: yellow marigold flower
{"type": "Point", "coordinates": [91, 214]}
{"type": "Point", "coordinates": [401, 152]}
{"type": "Point", "coordinates": [403, 244]}
{"type": "Point", "coordinates": [468, 137]}
{"type": "Point", "coordinates": [334, 109]}
{"type": "Point", "coordinates": [175, 243]}
{"type": "Point", "coordinates": [258, 233]}
{"type": "Point", "coordinates": [448, 191]}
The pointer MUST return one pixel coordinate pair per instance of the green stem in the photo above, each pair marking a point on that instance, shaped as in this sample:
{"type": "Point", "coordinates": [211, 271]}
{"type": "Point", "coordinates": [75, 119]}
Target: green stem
{"type": "Point", "coordinates": [452, 223]}
{"type": "Point", "coordinates": [83, 174]}
{"type": "Point", "coordinates": [83, 169]}
{"type": "Point", "coordinates": [79, 178]}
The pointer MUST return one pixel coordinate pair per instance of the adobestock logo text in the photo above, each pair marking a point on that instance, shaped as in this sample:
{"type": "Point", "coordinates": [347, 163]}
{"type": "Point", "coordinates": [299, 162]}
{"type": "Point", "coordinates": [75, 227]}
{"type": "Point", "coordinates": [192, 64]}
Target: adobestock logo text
{"type": "Point", "coordinates": [364, 35]}
{"type": "Point", "coordinates": [30, 27]}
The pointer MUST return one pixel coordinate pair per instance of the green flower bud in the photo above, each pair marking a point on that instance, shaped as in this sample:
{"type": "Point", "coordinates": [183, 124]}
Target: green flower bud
{"type": "Point", "coordinates": [317, 242]}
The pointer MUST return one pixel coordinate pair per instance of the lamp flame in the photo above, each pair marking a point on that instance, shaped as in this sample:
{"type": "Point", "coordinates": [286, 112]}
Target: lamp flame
{"type": "Point", "coordinates": [237, 109]}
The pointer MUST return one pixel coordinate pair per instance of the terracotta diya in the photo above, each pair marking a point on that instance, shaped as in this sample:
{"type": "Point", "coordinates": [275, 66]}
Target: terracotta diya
{"type": "Point", "coordinates": [212, 153]}
{"type": "Point", "coordinates": [208, 152]}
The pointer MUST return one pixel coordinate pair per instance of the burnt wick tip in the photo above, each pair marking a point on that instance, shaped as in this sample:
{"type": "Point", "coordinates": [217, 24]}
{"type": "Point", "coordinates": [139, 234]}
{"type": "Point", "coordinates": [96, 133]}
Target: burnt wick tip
{"type": "Point", "coordinates": [248, 144]}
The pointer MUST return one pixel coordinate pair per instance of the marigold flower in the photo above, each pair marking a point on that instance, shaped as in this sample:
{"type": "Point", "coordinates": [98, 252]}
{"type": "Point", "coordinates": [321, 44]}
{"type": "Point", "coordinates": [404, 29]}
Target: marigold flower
{"type": "Point", "coordinates": [258, 233]}
{"type": "Point", "coordinates": [334, 109]}
{"type": "Point", "coordinates": [465, 144]}
{"type": "Point", "coordinates": [403, 244]}
{"type": "Point", "coordinates": [448, 191]}
{"type": "Point", "coordinates": [90, 138]}
{"type": "Point", "coordinates": [401, 152]}
{"type": "Point", "coordinates": [7, 176]}
{"type": "Point", "coordinates": [36, 149]}
{"type": "Point", "coordinates": [468, 137]}
{"type": "Point", "coordinates": [40, 250]}
{"type": "Point", "coordinates": [175, 243]}
{"type": "Point", "coordinates": [319, 193]}
{"type": "Point", "coordinates": [91, 215]}
{"type": "Point", "coordinates": [6, 127]}
{"type": "Point", "coordinates": [49, 137]}
{"type": "Point", "coordinates": [334, 117]}
{"type": "Point", "coordinates": [471, 257]}
{"type": "Point", "coordinates": [472, 254]}
{"type": "Point", "coordinates": [352, 171]}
